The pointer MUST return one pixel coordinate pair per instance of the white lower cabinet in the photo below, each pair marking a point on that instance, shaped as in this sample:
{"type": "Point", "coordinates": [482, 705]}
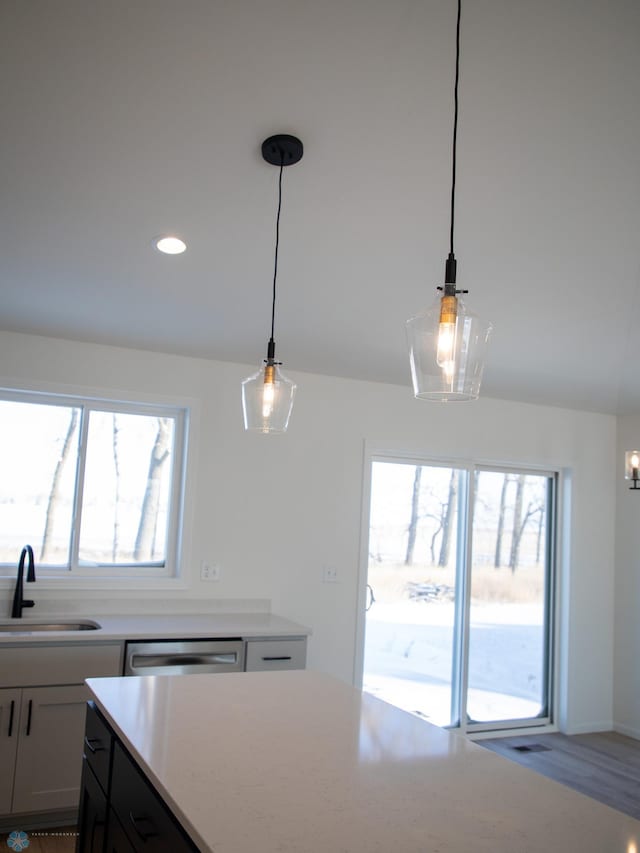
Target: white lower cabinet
{"type": "Point", "coordinates": [40, 748]}
{"type": "Point", "coordinates": [41, 727]}
{"type": "Point", "coordinates": [49, 752]}
{"type": "Point", "coordinates": [9, 714]}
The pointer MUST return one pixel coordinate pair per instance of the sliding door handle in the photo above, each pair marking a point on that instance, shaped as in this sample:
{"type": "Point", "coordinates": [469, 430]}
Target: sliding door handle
{"type": "Point", "coordinates": [28, 732]}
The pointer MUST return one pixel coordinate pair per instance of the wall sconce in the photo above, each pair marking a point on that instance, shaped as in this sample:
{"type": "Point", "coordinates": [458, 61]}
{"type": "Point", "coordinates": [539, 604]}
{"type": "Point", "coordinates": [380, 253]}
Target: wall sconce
{"type": "Point", "coordinates": [631, 466]}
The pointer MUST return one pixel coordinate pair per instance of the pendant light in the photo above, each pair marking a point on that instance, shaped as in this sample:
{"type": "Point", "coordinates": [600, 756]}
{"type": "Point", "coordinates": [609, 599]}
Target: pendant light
{"type": "Point", "coordinates": [447, 343]}
{"type": "Point", "coordinates": [267, 396]}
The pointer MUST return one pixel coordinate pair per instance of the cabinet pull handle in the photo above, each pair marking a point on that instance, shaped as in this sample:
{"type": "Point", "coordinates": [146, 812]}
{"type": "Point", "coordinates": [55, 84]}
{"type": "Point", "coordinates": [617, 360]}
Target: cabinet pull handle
{"type": "Point", "coordinates": [29, 717]}
{"type": "Point", "coordinates": [89, 743]}
{"type": "Point", "coordinates": [276, 657]}
{"type": "Point", "coordinates": [150, 833]}
{"type": "Point", "coordinates": [13, 705]}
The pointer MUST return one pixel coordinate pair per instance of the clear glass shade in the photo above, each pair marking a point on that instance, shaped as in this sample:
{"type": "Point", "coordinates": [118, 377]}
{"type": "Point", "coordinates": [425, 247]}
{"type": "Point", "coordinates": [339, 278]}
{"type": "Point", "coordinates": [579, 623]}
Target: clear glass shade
{"type": "Point", "coordinates": [267, 400]}
{"type": "Point", "coordinates": [447, 358]}
{"type": "Point", "coordinates": [631, 464]}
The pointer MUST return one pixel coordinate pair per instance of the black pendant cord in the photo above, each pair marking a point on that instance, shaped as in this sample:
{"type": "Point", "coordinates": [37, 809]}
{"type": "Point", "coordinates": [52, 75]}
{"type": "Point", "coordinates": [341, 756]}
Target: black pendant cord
{"type": "Point", "coordinates": [455, 128]}
{"type": "Point", "coordinates": [272, 345]}
{"type": "Point", "coordinates": [450, 271]}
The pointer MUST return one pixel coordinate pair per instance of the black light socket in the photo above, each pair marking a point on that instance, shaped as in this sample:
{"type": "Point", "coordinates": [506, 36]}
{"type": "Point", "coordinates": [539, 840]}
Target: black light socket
{"type": "Point", "coordinates": [450, 269]}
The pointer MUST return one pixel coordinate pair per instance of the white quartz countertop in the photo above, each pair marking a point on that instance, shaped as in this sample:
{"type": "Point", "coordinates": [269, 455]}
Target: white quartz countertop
{"type": "Point", "coordinates": [149, 627]}
{"type": "Point", "coordinates": [297, 762]}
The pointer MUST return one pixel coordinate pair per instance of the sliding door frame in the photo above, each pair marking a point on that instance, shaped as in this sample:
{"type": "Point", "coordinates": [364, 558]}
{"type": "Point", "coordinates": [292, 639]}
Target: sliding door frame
{"type": "Point", "coordinates": [464, 532]}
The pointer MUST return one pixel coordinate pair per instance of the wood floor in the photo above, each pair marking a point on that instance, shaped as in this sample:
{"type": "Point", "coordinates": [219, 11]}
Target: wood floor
{"type": "Point", "coordinates": [61, 839]}
{"type": "Point", "coordinates": [603, 765]}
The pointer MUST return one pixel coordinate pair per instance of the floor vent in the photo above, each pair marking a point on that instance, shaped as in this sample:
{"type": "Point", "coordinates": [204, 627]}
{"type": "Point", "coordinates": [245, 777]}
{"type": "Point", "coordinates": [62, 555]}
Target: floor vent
{"type": "Point", "coordinates": [531, 747]}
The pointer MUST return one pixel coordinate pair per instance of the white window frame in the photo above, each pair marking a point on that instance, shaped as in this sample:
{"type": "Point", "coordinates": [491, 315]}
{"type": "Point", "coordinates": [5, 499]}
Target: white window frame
{"type": "Point", "coordinates": [134, 573]}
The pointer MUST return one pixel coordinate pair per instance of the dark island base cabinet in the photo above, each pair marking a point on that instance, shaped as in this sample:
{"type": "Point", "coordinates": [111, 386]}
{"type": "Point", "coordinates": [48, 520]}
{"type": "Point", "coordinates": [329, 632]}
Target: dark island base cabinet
{"type": "Point", "coordinates": [117, 842]}
{"type": "Point", "coordinates": [120, 811]}
{"type": "Point", "coordinates": [92, 821]}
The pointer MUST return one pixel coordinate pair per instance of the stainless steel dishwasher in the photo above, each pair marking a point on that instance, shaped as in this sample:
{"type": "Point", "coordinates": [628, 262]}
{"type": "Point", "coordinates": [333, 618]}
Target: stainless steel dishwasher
{"type": "Point", "coordinates": [183, 657]}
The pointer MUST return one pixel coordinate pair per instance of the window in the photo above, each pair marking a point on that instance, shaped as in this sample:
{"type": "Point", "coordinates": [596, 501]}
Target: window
{"type": "Point", "coordinates": [94, 486]}
{"type": "Point", "coordinates": [460, 574]}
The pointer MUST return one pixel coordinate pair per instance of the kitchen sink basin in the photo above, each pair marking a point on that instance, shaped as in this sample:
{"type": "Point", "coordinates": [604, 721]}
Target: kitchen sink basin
{"type": "Point", "coordinates": [27, 626]}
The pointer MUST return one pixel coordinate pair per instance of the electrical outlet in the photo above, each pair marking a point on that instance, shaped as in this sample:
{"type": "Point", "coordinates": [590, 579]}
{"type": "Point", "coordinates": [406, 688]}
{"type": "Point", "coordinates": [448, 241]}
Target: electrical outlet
{"type": "Point", "coordinates": [329, 575]}
{"type": "Point", "coordinates": [209, 571]}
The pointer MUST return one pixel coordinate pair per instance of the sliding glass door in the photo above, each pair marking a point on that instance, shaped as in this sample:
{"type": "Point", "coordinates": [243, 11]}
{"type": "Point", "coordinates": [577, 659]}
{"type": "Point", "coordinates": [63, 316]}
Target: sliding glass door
{"type": "Point", "coordinates": [458, 604]}
{"type": "Point", "coordinates": [509, 613]}
{"type": "Point", "coordinates": [413, 576]}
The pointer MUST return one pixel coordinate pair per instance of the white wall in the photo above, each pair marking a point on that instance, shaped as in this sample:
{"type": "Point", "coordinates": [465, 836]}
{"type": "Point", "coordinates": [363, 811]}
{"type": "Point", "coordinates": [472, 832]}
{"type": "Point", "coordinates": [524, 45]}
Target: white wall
{"type": "Point", "coordinates": [273, 510]}
{"type": "Point", "coordinates": [627, 606]}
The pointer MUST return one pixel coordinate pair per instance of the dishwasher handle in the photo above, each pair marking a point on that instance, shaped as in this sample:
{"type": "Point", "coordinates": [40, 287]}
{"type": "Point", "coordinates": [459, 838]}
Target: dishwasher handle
{"type": "Point", "coordinates": [140, 661]}
{"type": "Point", "coordinates": [184, 657]}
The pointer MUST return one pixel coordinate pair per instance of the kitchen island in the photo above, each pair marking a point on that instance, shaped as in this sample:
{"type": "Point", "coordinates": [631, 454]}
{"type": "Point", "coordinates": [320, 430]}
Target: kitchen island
{"type": "Point", "coordinates": [297, 762]}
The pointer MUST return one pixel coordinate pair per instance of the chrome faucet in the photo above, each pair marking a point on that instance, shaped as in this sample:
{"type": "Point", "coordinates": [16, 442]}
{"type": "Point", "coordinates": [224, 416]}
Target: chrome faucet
{"type": "Point", "coordinates": [18, 601]}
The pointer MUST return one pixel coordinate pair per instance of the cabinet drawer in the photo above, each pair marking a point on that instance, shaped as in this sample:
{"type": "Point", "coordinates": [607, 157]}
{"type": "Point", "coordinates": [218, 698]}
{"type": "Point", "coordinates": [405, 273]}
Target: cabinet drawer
{"type": "Point", "coordinates": [276, 654]}
{"type": "Point", "coordinates": [66, 663]}
{"type": "Point", "coordinates": [97, 745]}
{"type": "Point", "coordinates": [144, 816]}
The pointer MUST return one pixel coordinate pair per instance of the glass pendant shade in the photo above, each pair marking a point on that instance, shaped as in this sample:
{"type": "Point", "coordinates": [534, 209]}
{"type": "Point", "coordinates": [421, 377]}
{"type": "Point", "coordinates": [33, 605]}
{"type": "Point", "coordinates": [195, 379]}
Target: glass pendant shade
{"type": "Point", "coordinates": [267, 400]}
{"type": "Point", "coordinates": [447, 346]}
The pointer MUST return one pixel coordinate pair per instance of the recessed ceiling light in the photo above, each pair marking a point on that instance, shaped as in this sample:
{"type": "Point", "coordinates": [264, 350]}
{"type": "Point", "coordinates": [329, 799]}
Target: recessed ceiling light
{"type": "Point", "coordinates": [170, 245]}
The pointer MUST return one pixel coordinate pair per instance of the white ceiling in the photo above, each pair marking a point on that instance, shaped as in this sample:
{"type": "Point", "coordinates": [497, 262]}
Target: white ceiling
{"type": "Point", "coordinates": [126, 119]}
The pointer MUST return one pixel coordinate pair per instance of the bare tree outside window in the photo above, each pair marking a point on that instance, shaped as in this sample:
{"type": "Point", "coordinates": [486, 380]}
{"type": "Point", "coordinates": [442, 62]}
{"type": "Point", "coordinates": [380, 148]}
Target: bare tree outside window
{"type": "Point", "coordinates": [435, 521]}
{"type": "Point", "coordinates": [116, 502]}
{"type": "Point", "coordinates": [516, 531]}
{"type": "Point", "coordinates": [449, 509]}
{"type": "Point", "coordinates": [497, 560]}
{"type": "Point", "coordinates": [47, 551]}
{"type": "Point", "coordinates": [539, 536]}
{"type": "Point", "coordinates": [521, 519]}
{"type": "Point", "coordinates": [149, 513]}
{"type": "Point", "coordinates": [413, 522]}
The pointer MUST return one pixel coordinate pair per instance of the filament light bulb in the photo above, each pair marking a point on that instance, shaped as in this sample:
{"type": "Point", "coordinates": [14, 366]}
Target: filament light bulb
{"type": "Point", "coordinates": [446, 342]}
{"type": "Point", "coordinates": [447, 335]}
{"type": "Point", "coordinates": [268, 391]}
